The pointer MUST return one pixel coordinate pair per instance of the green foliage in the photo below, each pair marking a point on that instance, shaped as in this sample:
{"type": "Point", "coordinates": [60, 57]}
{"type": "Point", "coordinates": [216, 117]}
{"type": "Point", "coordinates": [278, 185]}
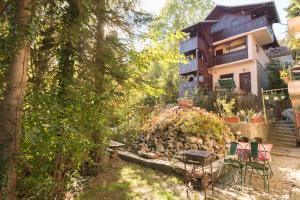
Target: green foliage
{"type": "Point", "coordinates": [177, 14]}
{"type": "Point", "coordinates": [224, 105]}
{"type": "Point", "coordinates": [294, 9]}
{"type": "Point", "coordinates": [273, 70]}
{"type": "Point", "coordinates": [187, 120]}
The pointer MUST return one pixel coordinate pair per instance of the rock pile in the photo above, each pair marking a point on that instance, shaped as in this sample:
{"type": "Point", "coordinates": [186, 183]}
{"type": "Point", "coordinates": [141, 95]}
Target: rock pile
{"type": "Point", "coordinates": [181, 128]}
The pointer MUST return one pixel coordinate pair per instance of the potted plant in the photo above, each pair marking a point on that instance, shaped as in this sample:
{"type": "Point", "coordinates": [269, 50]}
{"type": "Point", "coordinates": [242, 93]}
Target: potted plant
{"type": "Point", "coordinates": [249, 114]}
{"type": "Point", "coordinates": [242, 115]}
{"type": "Point", "coordinates": [187, 100]}
{"type": "Point", "coordinates": [225, 107]}
{"type": "Point", "coordinates": [275, 97]}
{"type": "Point", "coordinates": [257, 118]}
{"type": "Point", "coordinates": [267, 97]}
{"type": "Point", "coordinates": [282, 96]}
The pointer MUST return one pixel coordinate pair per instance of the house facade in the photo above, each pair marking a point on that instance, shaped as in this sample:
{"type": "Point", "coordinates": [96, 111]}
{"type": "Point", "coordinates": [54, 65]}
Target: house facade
{"type": "Point", "coordinates": [228, 50]}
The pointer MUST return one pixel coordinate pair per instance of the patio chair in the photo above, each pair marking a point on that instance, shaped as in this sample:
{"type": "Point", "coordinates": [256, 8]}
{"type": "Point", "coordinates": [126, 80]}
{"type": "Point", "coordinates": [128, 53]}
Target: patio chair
{"type": "Point", "coordinates": [232, 161]}
{"type": "Point", "coordinates": [260, 140]}
{"type": "Point", "coordinates": [263, 141]}
{"type": "Point", "coordinates": [243, 139]}
{"type": "Point", "coordinates": [261, 168]}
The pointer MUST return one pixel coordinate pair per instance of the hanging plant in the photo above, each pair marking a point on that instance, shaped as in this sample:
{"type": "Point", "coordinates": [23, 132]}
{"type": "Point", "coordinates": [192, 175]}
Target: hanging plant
{"type": "Point", "coordinates": [276, 97]}
{"type": "Point", "coordinates": [282, 96]}
{"type": "Point", "coordinates": [267, 97]}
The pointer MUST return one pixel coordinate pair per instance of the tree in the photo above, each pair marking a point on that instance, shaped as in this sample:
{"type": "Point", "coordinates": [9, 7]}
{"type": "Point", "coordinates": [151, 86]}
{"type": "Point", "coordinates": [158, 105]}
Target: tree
{"type": "Point", "coordinates": [273, 70]}
{"type": "Point", "coordinates": [294, 9]}
{"type": "Point", "coordinates": [174, 16]}
{"type": "Point", "coordinates": [177, 14]}
{"type": "Point", "coordinates": [11, 106]}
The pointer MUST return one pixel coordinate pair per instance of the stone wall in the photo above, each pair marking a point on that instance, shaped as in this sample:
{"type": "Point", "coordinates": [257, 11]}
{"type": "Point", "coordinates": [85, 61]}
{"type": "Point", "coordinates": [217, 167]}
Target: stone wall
{"type": "Point", "coordinates": [250, 130]}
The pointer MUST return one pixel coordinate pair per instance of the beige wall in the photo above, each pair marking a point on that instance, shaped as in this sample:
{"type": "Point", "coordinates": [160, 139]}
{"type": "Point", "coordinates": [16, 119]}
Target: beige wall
{"type": "Point", "coordinates": [255, 64]}
{"type": "Point", "coordinates": [253, 54]}
{"type": "Point", "coordinates": [236, 69]}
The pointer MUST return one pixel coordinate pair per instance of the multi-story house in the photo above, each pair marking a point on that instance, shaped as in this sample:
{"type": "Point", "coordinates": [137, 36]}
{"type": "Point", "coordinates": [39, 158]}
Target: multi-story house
{"type": "Point", "coordinates": [229, 49]}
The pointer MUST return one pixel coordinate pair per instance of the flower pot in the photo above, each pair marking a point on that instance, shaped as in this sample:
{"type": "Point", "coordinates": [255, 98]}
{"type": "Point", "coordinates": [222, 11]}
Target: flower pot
{"type": "Point", "coordinates": [259, 119]}
{"type": "Point", "coordinates": [232, 119]}
{"type": "Point", "coordinates": [282, 97]}
{"type": "Point", "coordinates": [267, 97]}
{"type": "Point", "coordinates": [185, 102]}
{"type": "Point", "coordinates": [276, 98]}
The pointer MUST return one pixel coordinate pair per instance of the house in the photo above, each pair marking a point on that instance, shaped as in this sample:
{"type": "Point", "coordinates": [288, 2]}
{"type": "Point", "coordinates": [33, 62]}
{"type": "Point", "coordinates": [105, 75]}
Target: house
{"type": "Point", "coordinates": [228, 50]}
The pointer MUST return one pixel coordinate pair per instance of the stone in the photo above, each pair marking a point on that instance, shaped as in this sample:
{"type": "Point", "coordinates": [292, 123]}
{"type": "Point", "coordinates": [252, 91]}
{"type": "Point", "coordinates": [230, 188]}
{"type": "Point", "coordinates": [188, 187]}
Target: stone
{"type": "Point", "coordinates": [192, 140]}
{"type": "Point", "coordinates": [194, 146]}
{"type": "Point", "coordinates": [295, 193]}
{"type": "Point", "coordinates": [199, 141]}
{"type": "Point", "coordinates": [209, 144]}
{"type": "Point", "coordinates": [160, 148]}
{"type": "Point", "coordinates": [204, 148]}
{"type": "Point", "coordinates": [148, 155]}
{"type": "Point", "coordinates": [179, 145]}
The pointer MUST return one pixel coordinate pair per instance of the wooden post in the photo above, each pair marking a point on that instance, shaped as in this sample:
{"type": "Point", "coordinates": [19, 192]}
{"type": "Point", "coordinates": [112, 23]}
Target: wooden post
{"type": "Point", "coordinates": [264, 106]}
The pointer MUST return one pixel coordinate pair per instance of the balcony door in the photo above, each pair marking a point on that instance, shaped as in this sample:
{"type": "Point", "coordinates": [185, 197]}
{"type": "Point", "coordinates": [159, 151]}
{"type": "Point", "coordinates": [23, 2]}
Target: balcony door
{"type": "Point", "coordinates": [245, 82]}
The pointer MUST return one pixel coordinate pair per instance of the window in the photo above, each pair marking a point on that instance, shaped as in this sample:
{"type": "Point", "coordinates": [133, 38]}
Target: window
{"type": "Point", "coordinates": [226, 76]}
{"type": "Point", "coordinates": [257, 48]}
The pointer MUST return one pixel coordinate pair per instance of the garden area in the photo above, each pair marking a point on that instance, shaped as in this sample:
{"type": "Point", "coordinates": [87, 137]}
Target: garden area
{"type": "Point", "coordinates": [90, 109]}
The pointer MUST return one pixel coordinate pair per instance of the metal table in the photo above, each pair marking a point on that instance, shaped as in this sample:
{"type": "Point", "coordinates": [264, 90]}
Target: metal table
{"type": "Point", "coordinates": [197, 176]}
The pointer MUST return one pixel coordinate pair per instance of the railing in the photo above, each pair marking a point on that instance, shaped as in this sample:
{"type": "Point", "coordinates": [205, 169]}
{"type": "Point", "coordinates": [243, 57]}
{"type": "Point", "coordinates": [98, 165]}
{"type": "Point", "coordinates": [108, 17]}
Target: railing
{"type": "Point", "coordinates": [242, 28]}
{"type": "Point", "coordinates": [190, 67]}
{"type": "Point", "coordinates": [232, 56]}
{"type": "Point", "coordinates": [187, 87]}
{"type": "Point", "coordinates": [188, 45]}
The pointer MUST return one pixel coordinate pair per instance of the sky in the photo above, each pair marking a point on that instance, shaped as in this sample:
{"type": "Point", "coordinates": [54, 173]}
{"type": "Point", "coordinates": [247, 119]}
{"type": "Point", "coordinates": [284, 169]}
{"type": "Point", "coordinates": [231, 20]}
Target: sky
{"type": "Point", "coordinates": [154, 6]}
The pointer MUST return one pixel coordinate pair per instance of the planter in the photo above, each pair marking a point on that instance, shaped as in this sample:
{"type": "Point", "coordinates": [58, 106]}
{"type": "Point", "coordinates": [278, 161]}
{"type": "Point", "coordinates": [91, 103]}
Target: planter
{"type": "Point", "coordinates": [257, 120]}
{"type": "Point", "coordinates": [297, 119]}
{"type": "Point", "coordinates": [185, 102]}
{"type": "Point", "coordinates": [232, 119]}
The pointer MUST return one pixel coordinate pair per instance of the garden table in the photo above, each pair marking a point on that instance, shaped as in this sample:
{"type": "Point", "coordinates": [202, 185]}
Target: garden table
{"type": "Point", "coordinates": [264, 151]}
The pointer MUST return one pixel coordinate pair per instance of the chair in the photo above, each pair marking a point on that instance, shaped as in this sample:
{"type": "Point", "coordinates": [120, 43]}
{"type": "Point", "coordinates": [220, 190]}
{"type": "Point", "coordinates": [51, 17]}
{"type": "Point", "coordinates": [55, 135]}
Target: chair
{"type": "Point", "coordinates": [243, 139]}
{"type": "Point", "coordinates": [262, 169]}
{"type": "Point", "coordinates": [232, 160]}
{"type": "Point", "coordinates": [260, 140]}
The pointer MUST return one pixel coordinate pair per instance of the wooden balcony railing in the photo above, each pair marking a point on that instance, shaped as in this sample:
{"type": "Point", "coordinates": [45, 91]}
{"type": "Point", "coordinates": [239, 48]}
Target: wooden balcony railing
{"type": "Point", "coordinates": [188, 68]}
{"type": "Point", "coordinates": [188, 45]}
{"type": "Point", "coordinates": [187, 87]}
{"type": "Point", "coordinates": [242, 28]}
{"type": "Point", "coordinates": [232, 56]}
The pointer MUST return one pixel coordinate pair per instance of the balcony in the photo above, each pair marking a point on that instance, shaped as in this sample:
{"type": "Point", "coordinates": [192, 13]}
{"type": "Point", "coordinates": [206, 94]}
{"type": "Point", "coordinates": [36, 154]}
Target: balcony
{"type": "Point", "coordinates": [188, 68]}
{"type": "Point", "coordinates": [188, 45]}
{"type": "Point", "coordinates": [231, 57]}
{"type": "Point", "coordinates": [187, 88]}
{"type": "Point", "coordinates": [242, 28]}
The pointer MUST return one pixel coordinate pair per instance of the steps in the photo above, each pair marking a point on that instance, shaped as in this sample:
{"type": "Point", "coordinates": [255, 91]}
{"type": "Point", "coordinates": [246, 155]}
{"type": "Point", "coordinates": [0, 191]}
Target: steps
{"type": "Point", "coordinates": [283, 133]}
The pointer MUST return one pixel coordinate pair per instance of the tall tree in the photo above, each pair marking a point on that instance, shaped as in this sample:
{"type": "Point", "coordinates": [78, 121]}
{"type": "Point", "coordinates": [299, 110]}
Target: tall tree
{"type": "Point", "coordinates": [294, 8]}
{"type": "Point", "coordinates": [177, 14]}
{"type": "Point", "coordinates": [174, 16]}
{"type": "Point", "coordinates": [11, 107]}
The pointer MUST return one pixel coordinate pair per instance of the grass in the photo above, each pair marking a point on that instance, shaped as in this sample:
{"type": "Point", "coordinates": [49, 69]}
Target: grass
{"type": "Point", "coordinates": [129, 181]}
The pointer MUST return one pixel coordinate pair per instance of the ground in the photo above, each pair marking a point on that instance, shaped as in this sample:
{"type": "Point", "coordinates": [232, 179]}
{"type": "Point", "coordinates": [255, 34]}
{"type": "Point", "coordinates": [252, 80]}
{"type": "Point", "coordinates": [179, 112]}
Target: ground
{"type": "Point", "coordinates": [130, 181]}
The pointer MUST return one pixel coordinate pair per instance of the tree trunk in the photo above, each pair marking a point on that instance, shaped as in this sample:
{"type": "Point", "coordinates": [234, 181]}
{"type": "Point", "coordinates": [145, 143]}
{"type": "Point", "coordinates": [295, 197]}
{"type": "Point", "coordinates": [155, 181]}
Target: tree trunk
{"type": "Point", "coordinates": [11, 107]}
{"type": "Point", "coordinates": [100, 51]}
